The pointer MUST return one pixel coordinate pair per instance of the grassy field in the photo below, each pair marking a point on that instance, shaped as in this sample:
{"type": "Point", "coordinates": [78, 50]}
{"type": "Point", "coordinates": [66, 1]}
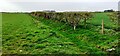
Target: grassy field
{"type": "Point", "coordinates": [22, 34]}
{"type": "Point", "coordinates": [98, 19]}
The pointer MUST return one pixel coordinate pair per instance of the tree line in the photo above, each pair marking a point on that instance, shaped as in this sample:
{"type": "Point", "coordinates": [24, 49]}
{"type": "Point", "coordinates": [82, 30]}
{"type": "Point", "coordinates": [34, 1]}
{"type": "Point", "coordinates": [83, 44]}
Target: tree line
{"type": "Point", "coordinates": [71, 18]}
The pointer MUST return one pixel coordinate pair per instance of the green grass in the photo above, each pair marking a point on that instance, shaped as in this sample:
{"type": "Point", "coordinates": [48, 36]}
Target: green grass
{"type": "Point", "coordinates": [83, 38]}
{"type": "Point", "coordinates": [97, 20]}
{"type": "Point", "coordinates": [0, 33]}
{"type": "Point", "coordinates": [23, 32]}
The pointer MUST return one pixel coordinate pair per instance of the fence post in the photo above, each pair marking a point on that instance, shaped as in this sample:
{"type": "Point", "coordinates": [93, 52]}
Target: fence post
{"type": "Point", "coordinates": [102, 26]}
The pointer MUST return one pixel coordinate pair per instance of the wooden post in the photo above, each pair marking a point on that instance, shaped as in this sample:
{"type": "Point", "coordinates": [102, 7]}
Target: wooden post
{"type": "Point", "coordinates": [102, 26]}
{"type": "Point", "coordinates": [118, 28]}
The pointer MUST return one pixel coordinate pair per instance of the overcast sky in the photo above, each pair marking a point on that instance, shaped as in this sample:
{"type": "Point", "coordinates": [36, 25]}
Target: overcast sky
{"type": "Point", "coordinates": [58, 5]}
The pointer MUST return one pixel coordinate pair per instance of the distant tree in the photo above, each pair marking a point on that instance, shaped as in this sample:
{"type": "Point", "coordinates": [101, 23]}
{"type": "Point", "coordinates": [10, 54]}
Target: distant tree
{"type": "Point", "coordinates": [109, 10]}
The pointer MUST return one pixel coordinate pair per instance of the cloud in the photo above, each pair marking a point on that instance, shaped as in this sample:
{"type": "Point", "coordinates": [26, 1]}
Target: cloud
{"type": "Point", "coordinates": [59, 6]}
{"type": "Point", "coordinates": [62, 0]}
{"type": "Point", "coordinates": [7, 6]}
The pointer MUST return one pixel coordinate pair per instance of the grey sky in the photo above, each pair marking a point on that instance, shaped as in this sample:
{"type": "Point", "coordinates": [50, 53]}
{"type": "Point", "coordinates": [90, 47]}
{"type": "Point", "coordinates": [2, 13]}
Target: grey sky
{"type": "Point", "coordinates": [61, 0]}
{"type": "Point", "coordinates": [59, 6]}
